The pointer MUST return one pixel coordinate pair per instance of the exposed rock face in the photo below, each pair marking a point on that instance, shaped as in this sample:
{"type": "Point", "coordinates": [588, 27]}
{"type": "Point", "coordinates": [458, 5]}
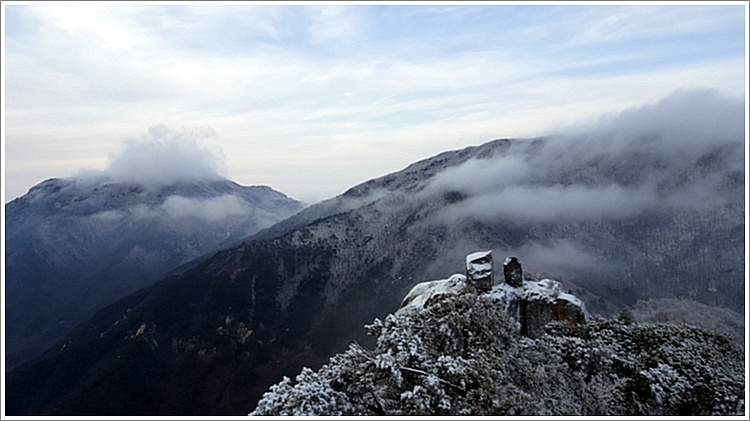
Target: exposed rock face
{"type": "Point", "coordinates": [536, 303]}
{"type": "Point", "coordinates": [479, 270]}
{"type": "Point", "coordinates": [513, 272]}
{"type": "Point", "coordinates": [535, 314]}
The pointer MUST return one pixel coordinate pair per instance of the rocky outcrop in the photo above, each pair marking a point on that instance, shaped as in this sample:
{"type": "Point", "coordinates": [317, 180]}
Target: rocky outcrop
{"type": "Point", "coordinates": [532, 304]}
{"type": "Point", "coordinates": [536, 303]}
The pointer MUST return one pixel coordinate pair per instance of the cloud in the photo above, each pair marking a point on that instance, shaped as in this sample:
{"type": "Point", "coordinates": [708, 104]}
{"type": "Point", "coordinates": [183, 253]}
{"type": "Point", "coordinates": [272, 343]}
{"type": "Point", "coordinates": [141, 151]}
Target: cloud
{"type": "Point", "coordinates": [166, 156]}
{"type": "Point", "coordinates": [688, 119]}
{"type": "Point", "coordinates": [560, 256]}
{"type": "Point", "coordinates": [671, 154]}
{"type": "Point", "coordinates": [187, 213]}
{"type": "Point", "coordinates": [528, 204]}
{"type": "Point", "coordinates": [108, 216]}
{"type": "Point", "coordinates": [480, 176]}
{"type": "Point", "coordinates": [210, 210]}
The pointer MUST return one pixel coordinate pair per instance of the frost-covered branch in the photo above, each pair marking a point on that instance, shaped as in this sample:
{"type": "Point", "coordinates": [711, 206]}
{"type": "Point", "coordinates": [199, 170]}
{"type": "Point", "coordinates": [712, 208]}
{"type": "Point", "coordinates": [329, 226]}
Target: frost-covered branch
{"type": "Point", "coordinates": [424, 373]}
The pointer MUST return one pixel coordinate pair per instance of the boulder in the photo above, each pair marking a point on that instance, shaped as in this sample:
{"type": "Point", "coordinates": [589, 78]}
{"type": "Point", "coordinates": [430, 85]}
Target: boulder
{"type": "Point", "coordinates": [479, 270]}
{"type": "Point", "coordinates": [513, 271]}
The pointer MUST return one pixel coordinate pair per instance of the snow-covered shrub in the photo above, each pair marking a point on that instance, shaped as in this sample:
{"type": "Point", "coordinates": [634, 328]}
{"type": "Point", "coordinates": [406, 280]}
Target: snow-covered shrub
{"type": "Point", "coordinates": [632, 369]}
{"type": "Point", "coordinates": [311, 395]}
{"type": "Point", "coordinates": [462, 354]}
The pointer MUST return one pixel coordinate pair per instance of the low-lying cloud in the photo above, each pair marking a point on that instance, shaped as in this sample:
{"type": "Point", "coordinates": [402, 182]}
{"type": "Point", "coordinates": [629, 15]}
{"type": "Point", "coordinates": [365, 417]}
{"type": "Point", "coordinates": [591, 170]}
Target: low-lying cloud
{"type": "Point", "coordinates": [211, 210]}
{"type": "Point", "coordinates": [162, 157]}
{"type": "Point", "coordinates": [185, 208]}
{"type": "Point", "coordinates": [642, 159]}
{"type": "Point", "coordinates": [560, 203]}
{"type": "Point", "coordinates": [188, 213]}
{"type": "Point", "coordinates": [559, 256]}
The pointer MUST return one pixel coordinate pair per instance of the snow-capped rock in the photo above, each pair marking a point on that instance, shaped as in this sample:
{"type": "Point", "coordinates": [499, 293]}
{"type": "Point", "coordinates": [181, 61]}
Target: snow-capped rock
{"type": "Point", "coordinates": [479, 269]}
{"type": "Point", "coordinates": [423, 292]}
{"type": "Point", "coordinates": [532, 305]}
{"type": "Point", "coordinates": [536, 303]}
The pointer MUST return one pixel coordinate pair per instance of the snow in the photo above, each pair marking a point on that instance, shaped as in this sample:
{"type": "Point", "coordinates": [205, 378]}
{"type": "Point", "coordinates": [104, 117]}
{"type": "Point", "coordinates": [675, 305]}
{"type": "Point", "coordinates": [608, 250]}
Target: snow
{"type": "Point", "coordinates": [312, 395]}
{"type": "Point", "coordinates": [478, 255]}
{"type": "Point", "coordinates": [666, 384]}
{"type": "Point", "coordinates": [422, 292]}
{"type": "Point", "coordinates": [546, 290]}
{"type": "Point", "coordinates": [481, 267]}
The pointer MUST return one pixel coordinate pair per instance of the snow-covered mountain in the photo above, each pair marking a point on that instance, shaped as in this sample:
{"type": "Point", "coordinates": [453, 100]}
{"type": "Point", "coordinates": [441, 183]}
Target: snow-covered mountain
{"type": "Point", "coordinates": [74, 245]}
{"type": "Point", "coordinates": [626, 212]}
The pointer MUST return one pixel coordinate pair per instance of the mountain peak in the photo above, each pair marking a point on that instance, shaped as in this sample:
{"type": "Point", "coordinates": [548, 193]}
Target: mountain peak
{"type": "Point", "coordinates": [98, 239]}
{"type": "Point", "coordinates": [451, 350]}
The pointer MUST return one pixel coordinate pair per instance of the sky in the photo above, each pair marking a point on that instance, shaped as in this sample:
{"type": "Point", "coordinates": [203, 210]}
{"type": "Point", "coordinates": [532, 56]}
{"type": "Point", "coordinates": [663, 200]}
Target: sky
{"type": "Point", "coordinates": [312, 99]}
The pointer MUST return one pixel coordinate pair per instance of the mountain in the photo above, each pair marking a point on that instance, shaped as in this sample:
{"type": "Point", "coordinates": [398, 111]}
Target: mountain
{"type": "Point", "coordinates": [74, 245]}
{"type": "Point", "coordinates": [454, 350]}
{"type": "Point", "coordinates": [616, 223]}
{"type": "Point", "coordinates": [675, 311]}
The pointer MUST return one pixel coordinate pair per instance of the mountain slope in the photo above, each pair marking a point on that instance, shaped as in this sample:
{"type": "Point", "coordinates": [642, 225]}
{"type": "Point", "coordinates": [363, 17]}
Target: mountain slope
{"type": "Point", "coordinates": [74, 246]}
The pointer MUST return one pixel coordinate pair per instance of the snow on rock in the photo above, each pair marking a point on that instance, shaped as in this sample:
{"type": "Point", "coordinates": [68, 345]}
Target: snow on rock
{"type": "Point", "coordinates": [477, 256]}
{"type": "Point", "coordinates": [422, 292]}
{"type": "Point", "coordinates": [479, 269]}
{"type": "Point", "coordinates": [532, 305]}
{"type": "Point", "coordinates": [536, 303]}
{"type": "Point", "coordinates": [512, 271]}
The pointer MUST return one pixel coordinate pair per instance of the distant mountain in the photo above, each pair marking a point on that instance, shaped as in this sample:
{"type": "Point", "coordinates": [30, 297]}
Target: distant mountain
{"type": "Point", "coordinates": [618, 223]}
{"type": "Point", "coordinates": [75, 245]}
{"type": "Point", "coordinates": [675, 311]}
{"type": "Point", "coordinates": [453, 350]}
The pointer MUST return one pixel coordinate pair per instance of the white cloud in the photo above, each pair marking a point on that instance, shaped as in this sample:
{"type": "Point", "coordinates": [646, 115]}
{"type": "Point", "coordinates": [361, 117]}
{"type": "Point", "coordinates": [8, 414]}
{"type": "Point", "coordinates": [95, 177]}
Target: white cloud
{"type": "Point", "coordinates": [86, 20]}
{"type": "Point", "coordinates": [685, 119]}
{"type": "Point", "coordinates": [212, 210]}
{"type": "Point", "coordinates": [334, 24]}
{"type": "Point", "coordinates": [108, 217]}
{"type": "Point", "coordinates": [559, 256]}
{"type": "Point", "coordinates": [167, 156]}
{"type": "Point", "coordinates": [527, 204]}
{"type": "Point", "coordinates": [480, 176]}
{"type": "Point", "coordinates": [182, 212]}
